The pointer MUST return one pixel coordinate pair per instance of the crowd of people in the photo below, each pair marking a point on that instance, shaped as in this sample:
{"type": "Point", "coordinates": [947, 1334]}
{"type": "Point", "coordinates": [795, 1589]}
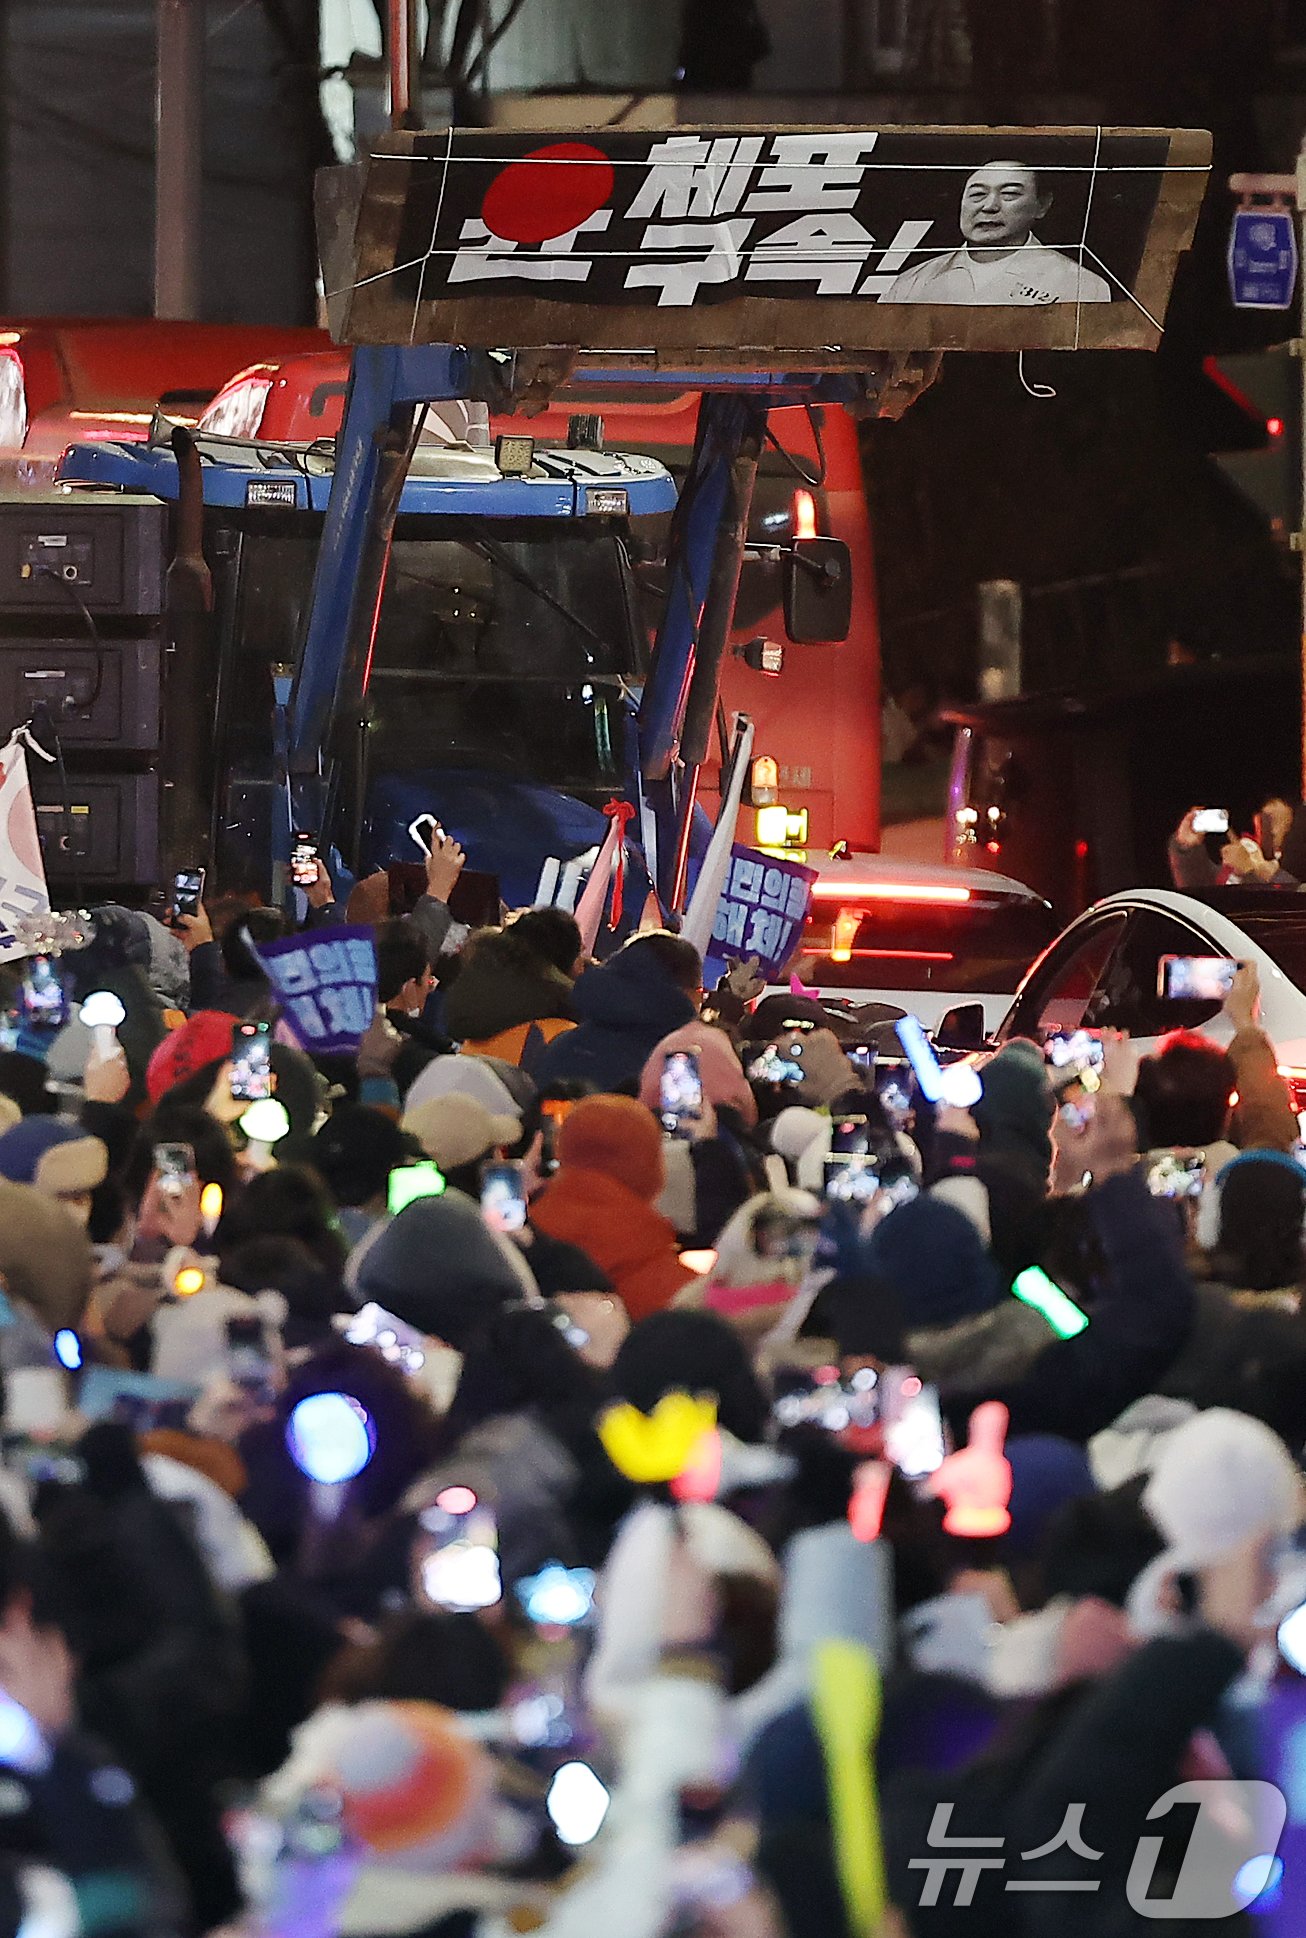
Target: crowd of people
{"type": "Point", "coordinates": [619, 1460]}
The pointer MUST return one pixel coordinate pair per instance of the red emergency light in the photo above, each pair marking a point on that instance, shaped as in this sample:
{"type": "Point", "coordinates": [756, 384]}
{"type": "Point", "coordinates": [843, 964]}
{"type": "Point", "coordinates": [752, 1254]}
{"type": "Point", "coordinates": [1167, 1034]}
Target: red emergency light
{"type": "Point", "coordinates": [839, 891]}
{"type": "Point", "coordinates": [804, 515]}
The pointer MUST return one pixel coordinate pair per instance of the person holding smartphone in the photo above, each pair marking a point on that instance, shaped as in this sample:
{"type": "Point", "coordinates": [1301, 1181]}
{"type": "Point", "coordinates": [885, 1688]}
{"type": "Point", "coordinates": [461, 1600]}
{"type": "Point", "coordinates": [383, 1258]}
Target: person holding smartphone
{"type": "Point", "coordinates": [1252, 858]}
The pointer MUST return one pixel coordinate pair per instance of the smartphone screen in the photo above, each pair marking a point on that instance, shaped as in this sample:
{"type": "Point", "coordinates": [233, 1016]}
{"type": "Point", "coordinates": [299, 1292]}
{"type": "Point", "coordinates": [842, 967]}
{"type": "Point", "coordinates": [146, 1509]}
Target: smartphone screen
{"type": "Point", "coordinates": [893, 1088]}
{"type": "Point", "coordinates": [778, 1066]}
{"type": "Point", "coordinates": [913, 1425]}
{"type": "Point", "coordinates": [187, 891]}
{"type": "Point", "coordinates": [249, 1363]}
{"type": "Point", "coordinates": [1177, 1174]}
{"type": "Point", "coordinates": [175, 1165]}
{"type": "Point", "coordinates": [401, 1344]}
{"type": "Point", "coordinates": [303, 861]}
{"type": "Point", "coordinates": [457, 1556]}
{"type": "Point", "coordinates": [1206, 979]}
{"type": "Point", "coordinates": [411, 1181]}
{"type": "Point", "coordinates": [851, 1137]}
{"type": "Point", "coordinates": [251, 1063]}
{"type": "Point", "coordinates": [822, 1399]}
{"type": "Point", "coordinates": [41, 996]}
{"type": "Point", "coordinates": [853, 1179]}
{"type": "Point", "coordinates": [503, 1197]}
{"type": "Point", "coordinates": [1070, 1053]}
{"type": "Point", "coordinates": [681, 1092]}
{"type": "Point", "coordinates": [1211, 821]}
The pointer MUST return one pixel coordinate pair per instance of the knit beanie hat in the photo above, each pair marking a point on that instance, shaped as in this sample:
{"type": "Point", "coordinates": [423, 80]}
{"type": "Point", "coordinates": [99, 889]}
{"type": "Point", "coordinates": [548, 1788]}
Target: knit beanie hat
{"type": "Point", "coordinates": [438, 1267]}
{"type": "Point", "coordinates": [723, 1076]}
{"type": "Point", "coordinates": [931, 1255]}
{"type": "Point", "coordinates": [355, 1151]}
{"type": "Point", "coordinates": [1047, 1474]}
{"type": "Point", "coordinates": [692, 1352]}
{"type": "Point", "coordinates": [1220, 1481]}
{"type": "Point", "coordinates": [414, 1788]}
{"type": "Point", "coordinates": [204, 1038]}
{"type": "Point", "coordinates": [54, 1156]}
{"type": "Point", "coordinates": [865, 1317]}
{"type": "Point", "coordinates": [457, 1129]}
{"type": "Point", "coordinates": [617, 1136]}
{"type": "Point", "coordinates": [472, 1076]}
{"type": "Point", "coordinates": [1015, 1113]}
{"type": "Point", "coordinates": [45, 1260]}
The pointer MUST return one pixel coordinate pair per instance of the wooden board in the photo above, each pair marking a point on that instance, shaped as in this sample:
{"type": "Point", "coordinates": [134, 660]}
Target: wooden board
{"type": "Point", "coordinates": [771, 248]}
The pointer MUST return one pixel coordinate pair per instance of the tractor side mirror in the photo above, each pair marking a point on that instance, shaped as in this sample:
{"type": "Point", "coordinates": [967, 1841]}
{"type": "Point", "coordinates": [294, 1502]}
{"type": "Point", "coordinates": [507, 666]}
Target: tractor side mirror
{"type": "Point", "coordinates": [818, 591]}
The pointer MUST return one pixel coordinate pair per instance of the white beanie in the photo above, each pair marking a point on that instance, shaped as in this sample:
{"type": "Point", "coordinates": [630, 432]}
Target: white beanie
{"type": "Point", "coordinates": [1220, 1481]}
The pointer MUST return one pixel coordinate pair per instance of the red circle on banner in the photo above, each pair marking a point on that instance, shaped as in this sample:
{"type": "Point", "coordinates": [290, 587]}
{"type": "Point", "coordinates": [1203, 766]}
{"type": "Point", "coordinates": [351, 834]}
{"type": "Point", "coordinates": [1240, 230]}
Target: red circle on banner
{"type": "Point", "coordinates": [548, 192]}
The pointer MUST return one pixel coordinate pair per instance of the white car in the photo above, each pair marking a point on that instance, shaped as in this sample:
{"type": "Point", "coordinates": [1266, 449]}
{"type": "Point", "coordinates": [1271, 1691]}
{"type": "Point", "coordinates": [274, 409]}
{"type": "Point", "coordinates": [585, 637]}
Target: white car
{"type": "Point", "coordinates": [1103, 971]}
{"type": "Point", "coordinates": [922, 938]}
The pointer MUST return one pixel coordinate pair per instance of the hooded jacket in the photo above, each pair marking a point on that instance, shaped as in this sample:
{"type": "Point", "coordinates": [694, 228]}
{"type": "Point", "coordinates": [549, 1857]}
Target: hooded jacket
{"type": "Point", "coordinates": [625, 1007]}
{"type": "Point", "coordinates": [507, 1003]}
{"type": "Point", "coordinates": [601, 1198]}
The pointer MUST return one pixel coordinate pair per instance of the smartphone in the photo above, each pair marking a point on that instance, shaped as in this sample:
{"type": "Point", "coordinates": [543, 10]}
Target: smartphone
{"type": "Point", "coordinates": [777, 1235]}
{"type": "Point", "coordinates": [457, 1556]}
{"type": "Point", "coordinates": [249, 1363]}
{"type": "Point", "coordinates": [423, 831]}
{"type": "Point", "coordinates": [411, 1181]}
{"type": "Point", "coordinates": [850, 1137]}
{"type": "Point", "coordinates": [680, 1097]}
{"type": "Point", "coordinates": [893, 1089]}
{"type": "Point", "coordinates": [401, 1344]}
{"type": "Point", "coordinates": [503, 1196]}
{"type": "Point", "coordinates": [1070, 1053]}
{"type": "Point", "coordinates": [822, 1399]}
{"type": "Point", "coordinates": [138, 1400]}
{"type": "Point", "coordinates": [187, 891]}
{"type": "Point", "coordinates": [303, 861]}
{"type": "Point", "coordinates": [1205, 979]}
{"type": "Point", "coordinates": [175, 1167]}
{"type": "Point", "coordinates": [1211, 821]}
{"type": "Point", "coordinates": [251, 1063]}
{"type": "Point", "coordinates": [913, 1425]}
{"type": "Point", "coordinates": [41, 998]}
{"type": "Point", "coordinates": [773, 1067]}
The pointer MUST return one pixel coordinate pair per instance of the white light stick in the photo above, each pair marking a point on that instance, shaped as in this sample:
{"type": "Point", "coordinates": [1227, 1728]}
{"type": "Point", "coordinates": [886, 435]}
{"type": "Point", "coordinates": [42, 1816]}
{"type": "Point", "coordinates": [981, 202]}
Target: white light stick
{"type": "Point", "coordinates": [265, 1123]}
{"type": "Point", "coordinates": [103, 1013]}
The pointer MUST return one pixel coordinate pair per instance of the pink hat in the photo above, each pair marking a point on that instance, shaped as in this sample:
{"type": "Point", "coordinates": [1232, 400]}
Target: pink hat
{"type": "Point", "coordinates": [723, 1076]}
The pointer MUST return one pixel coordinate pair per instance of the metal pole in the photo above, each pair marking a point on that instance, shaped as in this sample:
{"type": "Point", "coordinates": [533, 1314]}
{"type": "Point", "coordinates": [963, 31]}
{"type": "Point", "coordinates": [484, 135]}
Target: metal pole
{"type": "Point", "coordinates": [405, 65]}
{"type": "Point", "coordinates": [178, 158]}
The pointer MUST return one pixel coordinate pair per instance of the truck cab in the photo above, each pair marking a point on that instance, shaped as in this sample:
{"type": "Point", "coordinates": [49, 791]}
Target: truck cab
{"type": "Point", "coordinates": [508, 654]}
